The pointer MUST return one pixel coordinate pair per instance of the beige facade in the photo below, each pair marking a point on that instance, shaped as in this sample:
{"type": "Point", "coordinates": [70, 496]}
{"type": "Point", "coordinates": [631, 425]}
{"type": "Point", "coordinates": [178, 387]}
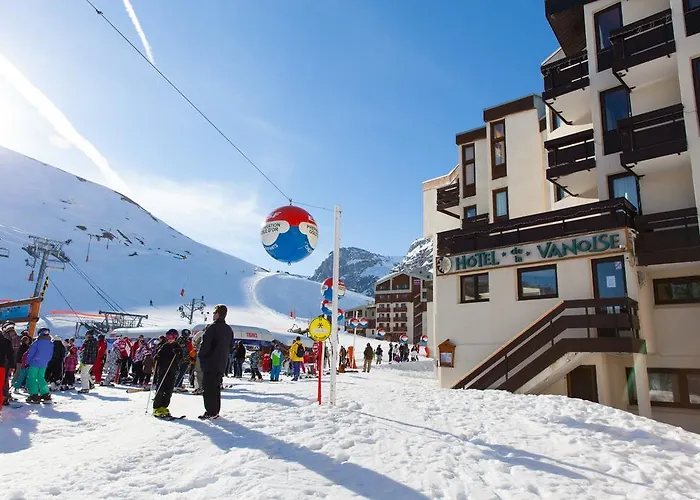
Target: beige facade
{"type": "Point", "coordinates": [589, 284]}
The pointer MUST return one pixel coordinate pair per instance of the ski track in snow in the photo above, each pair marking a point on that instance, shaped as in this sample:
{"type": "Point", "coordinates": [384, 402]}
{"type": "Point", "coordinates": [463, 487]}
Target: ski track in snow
{"type": "Point", "coordinates": [392, 435]}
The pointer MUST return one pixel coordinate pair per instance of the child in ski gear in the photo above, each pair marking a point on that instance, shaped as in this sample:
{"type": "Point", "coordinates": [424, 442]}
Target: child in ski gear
{"type": "Point", "coordinates": [167, 358]}
{"type": "Point", "coordinates": [140, 354]}
{"type": "Point", "coordinates": [198, 373]}
{"type": "Point", "coordinates": [70, 363]}
{"type": "Point", "coordinates": [254, 363]}
{"type": "Point", "coordinates": [21, 377]}
{"type": "Point", "coordinates": [276, 360]}
{"type": "Point", "coordinates": [379, 353]}
{"type": "Point", "coordinates": [112, 365]}
{"type": "Point", "coordinates": [296, 354]}
{"type": "Point", "coordinates": [369, 354]}
{"type": "Point", "coordinates": [185, 346]}
{"type": "Point", "coordinates": [88, 358]}
{"type": "Point", "coordinates": [343, 354]}
{"type": "Point", "coordinates": [38, 357]}
{"type": "Point", "coordinates": [54, 370]}
{"type": "Point", "coordinates": [147, 368]}
{"type": "Point", "coordinates": [100, 358]}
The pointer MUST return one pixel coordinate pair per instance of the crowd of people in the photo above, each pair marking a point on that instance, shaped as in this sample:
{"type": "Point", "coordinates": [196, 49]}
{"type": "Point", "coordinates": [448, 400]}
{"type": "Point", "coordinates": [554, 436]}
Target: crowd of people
{"type": "Point", "coordinates": [49, 363]}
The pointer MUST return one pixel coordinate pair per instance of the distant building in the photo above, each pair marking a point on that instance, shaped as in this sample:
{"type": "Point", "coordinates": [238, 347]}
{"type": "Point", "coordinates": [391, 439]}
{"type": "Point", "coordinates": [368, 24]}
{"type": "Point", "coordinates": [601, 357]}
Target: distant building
{"type": "Point", "coordinates": [401, 300]}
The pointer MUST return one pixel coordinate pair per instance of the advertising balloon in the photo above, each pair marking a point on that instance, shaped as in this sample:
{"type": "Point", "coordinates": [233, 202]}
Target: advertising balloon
{"type": "Point", "coordinates": [364, 323]}
{"type": "Point", "coordinates": [354, 322]}
{"type": "Point", "coordinates": [424, 339]}
{"type": "Point", "coordinates": [327, 307]}
{"type": "Point", "coordinates": [289, 234]}
{"type": "Point", "coordinates": [403, 338]}
{"type": "Point", "coordinates": [380, 332]}
{"type": "Point", "coordinates": [327, 288]}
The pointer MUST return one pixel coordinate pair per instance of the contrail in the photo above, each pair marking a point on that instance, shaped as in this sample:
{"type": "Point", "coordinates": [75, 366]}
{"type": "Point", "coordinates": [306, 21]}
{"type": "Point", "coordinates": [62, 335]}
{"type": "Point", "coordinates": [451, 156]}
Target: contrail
{"type": "Point", "coordinates": [139, 30]}
{"type": "Point", "coordinates": [60, 122]}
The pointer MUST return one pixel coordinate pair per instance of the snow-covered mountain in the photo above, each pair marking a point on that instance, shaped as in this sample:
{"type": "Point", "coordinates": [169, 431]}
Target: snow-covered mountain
{"type": "Point", "coordinates": [418, 258]}
{"type": "Point", "coordinates": [359, 269]}
{"type": "Point", "coordinates": [123, 257]}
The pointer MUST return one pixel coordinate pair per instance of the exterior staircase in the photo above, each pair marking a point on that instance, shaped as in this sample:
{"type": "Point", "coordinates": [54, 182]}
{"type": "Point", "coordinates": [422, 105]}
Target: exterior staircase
{"type": "Point", "coordinates": [557, 343]}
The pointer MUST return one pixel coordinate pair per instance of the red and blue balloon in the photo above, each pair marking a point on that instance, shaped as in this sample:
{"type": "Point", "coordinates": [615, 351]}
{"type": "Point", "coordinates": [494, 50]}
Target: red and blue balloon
{"type": "Point", "coordinates": [289, 234]}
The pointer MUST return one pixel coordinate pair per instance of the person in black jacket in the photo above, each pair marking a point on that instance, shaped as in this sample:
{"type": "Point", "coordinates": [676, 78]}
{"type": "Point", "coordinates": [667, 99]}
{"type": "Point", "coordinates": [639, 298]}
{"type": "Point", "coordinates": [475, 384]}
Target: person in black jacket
{"type": "Point", "coordinates": [54, 370]}
{"type": "Point", "coordinates": [213, 357]}
{"type": "Point", "coordinates": [88, 357]}
{"type": "Point", "coordinates": [238, 359]}
{"type": "Point", "coordinates": [7, 363]}
{"type": "Point", "coordinates": [167, 359]}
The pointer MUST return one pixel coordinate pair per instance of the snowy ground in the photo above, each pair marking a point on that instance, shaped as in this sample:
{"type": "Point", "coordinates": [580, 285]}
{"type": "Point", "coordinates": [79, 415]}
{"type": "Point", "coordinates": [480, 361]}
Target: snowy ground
{"type": "Point", "coordinates": [393, 435]}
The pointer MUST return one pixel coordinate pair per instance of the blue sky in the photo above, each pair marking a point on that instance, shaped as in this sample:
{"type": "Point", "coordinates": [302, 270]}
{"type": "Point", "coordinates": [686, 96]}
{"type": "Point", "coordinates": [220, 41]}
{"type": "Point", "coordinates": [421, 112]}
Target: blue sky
{"type": "Point", "coordinates": [354, 103]}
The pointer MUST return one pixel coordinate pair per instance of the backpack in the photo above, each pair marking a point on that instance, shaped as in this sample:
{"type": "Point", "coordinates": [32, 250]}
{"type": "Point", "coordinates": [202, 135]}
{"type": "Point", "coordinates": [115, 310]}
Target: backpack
{"type": "Point", "coordinates": [300, 351]}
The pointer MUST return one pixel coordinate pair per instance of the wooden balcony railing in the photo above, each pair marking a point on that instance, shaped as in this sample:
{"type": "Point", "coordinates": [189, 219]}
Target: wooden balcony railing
{"type": "Point", "coordinates": [570, 154]}
{"type": "Point", "coordinates": [448, 197]}
{"type": "Point", "coordinates": [565, 75]}
{"type": "Point", "coordinates": [692, 19]}
{"type": "Point", "coordinates": [518, 362]}
{"type": "Point", "coordinates": [668, 237]}
{"type": "Point", "coordinates": [652, 135]}
{"type": "Point", "coordinates": [643, 41]}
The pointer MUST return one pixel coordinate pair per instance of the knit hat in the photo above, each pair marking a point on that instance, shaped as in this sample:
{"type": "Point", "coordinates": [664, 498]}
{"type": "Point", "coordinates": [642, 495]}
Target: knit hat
{"type": "Point", "coordinates": [8, 327]}
{"type": "Point", "coordinates": [171, 334]}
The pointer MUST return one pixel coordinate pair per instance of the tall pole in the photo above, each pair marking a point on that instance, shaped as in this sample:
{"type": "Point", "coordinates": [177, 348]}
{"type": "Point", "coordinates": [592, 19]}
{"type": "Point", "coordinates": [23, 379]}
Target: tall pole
{"type": "Point", "coordinates": [191, 311]}
{"type": "Point", "coordinates": [42, 271]}
{"type": "Point", "coordinates": [334, 317]}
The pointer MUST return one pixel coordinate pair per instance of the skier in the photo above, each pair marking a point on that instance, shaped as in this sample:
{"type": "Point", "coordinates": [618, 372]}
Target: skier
{"type": "Point", "coordinates": [70, 363]}
{"type": "Point", "coordinates": [369, 354]}
{"type": "Point", "coordinates": [88, 357]}
{"type": "Point", "coordinates": [198, 373]}
{"type": "Point", "coordinates": [15, 341]}
{"type": "Point", "coordinates": [342, 354]}
{"type": "Point", "coordinates": [21, 377]}
{"type": "Point", "coordinates": [391, 352]}
{"type": "Point", "coordinates": [254, 363]}
{"type": "Point", "coordinates": [38, 357]}
{"type": "Point", "coordinates": [54, 370]}
{"type": "Point", "coordinates": [186, 346]}
{"type": "Point", "coordinates": [111, 366]}
{"type": "Point", "coordinates": [296, 354]}
{"type": "Point", "coordinates": [379, 353]}
{"type": "Point", "coordinates": [167, 359]}
{"type": "Point", "coordinates": [7, 364]}
{"type": "Point", "coordinates": [239, 358]}
{"type": "Point", "coordinates": [276, 359]}
{"type": "Point", "coordinates": [216, 346]}
{"type": "Point", "coordinates": [100, 358]}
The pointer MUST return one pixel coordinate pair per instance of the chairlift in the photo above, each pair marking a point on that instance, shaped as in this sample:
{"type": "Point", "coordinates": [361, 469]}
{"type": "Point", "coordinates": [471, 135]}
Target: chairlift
{"type": "Point", "coordinates": [4, 252]}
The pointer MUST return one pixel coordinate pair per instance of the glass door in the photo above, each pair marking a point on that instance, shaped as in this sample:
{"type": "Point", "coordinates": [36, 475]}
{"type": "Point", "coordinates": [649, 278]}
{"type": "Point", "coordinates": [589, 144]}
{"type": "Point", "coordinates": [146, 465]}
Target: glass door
{"type": "Point", "coordinates": [609, 282]}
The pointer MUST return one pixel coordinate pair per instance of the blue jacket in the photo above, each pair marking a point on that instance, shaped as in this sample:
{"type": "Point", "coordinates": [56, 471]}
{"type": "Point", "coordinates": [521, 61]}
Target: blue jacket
{"type": "Point", "coordinates": [40, 352]}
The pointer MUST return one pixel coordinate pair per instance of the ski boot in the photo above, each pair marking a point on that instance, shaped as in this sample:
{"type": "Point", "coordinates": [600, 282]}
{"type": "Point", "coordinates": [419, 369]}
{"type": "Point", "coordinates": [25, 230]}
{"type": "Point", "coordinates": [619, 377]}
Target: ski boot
{"type": "Point", "coordinates": [161, 413]}
{"type": "Point", "coordinates": [46, 398]}
{"type": "Point", "coordinates": [35, 399]}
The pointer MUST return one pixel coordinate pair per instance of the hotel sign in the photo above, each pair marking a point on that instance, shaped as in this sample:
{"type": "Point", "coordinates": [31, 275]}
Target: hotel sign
{"type": "Point", "coordinates": [532, 253]}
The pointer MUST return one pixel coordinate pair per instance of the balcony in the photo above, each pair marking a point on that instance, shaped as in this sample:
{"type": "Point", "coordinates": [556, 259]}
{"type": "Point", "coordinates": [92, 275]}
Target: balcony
{"type": "Point", "coordinates": [652, 135]}
{"type": "Point", "coordinates": [692, 20]}
{"type": "Point", "coordinates": [448, 197]}
{"type": "Point", "coordinates": [565, 86]}
{"type": "Point", "coordinates": [668, 237]}
{"type": "Point", "coordinates": [565, 75]}
{"type": "Point", "coordinates": [641, 51]}
{"type": "Point", "coordinates": [569, 155]}
{"type": "Point", "coordinates": [580, 219]}
{"type": "Point", "coordinates": [480, 219]}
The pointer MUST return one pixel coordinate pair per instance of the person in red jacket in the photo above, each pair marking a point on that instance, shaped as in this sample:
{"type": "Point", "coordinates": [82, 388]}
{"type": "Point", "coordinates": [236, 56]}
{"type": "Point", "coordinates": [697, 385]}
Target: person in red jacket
{"type": "Point", "coordinates": [99, 363]}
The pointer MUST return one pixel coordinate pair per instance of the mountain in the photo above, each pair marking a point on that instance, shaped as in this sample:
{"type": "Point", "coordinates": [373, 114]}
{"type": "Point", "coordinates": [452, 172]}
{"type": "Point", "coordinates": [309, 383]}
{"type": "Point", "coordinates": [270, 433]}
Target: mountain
{"type": "Point", "coordinates": [418, 258]}
{"type": "Point", "coordinates": [121, 257]}
{"type": "Point", "coordinates": [359, 269]}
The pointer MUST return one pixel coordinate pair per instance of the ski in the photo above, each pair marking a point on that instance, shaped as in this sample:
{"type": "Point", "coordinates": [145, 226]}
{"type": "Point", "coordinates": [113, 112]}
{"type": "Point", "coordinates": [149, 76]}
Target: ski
{"type": "Point", "coordinates": [138, 389]}
{"type": "Point", "coordinates": [171, 418]}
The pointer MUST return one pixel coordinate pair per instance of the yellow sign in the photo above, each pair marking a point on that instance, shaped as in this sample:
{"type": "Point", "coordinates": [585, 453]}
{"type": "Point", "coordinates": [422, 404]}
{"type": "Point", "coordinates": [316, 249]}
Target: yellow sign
{"type": "Point", "coordinates": [320, 329]}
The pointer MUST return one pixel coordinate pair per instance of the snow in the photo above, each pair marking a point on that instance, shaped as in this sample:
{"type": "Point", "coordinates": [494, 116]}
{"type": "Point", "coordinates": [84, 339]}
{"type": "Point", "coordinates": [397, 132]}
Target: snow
{"type": "Point", "coordinates": [393, 434]}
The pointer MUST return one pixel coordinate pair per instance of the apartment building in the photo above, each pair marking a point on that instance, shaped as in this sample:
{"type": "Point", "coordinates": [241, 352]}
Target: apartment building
{"type": "Point", "coordinates": [367, 311]}
{"type": "Point", "coordinates": [566, 240]}
{"type": "Point", "coordinates": [402, 304]}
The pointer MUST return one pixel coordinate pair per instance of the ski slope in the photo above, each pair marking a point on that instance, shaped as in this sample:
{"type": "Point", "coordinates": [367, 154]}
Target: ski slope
{"type": "Point", "coordinates": [393, 435]}
{"type": "Point", "coordinates": [130, 257]}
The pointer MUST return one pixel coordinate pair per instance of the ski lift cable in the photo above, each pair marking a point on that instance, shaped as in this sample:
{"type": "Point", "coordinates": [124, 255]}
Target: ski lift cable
{"type": "Point", "coordinates": [199, 111]}
{"type": "Point", "coordinates": [64, 299]}
{"type": "Point", "coordinates": [110, 302]}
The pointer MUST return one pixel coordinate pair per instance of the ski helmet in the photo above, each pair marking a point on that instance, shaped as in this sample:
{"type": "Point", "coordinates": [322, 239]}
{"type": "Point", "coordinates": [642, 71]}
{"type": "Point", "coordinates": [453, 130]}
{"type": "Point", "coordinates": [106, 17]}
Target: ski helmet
{"type": "Point", "coordinates": [171, 334]}
{"type": "Point", "coordinates": [44, 332]}
{"type": "Point", "coordinates": [186, 332]}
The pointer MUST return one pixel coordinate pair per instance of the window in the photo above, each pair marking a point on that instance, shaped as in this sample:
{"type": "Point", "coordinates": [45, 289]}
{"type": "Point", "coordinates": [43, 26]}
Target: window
{"type": "Point", "coordinates": [474, 288]}
{"type": "Point", "coordinates": [685, 290]}
{"type": "Point", "coordinates": [468, 171]}
{"type": "Point", "coordinates": [625, 186]}
{"type": "Point", "coordinates": [606, 21]}
{"type": "Point", "coordinates": [500, 204]}
{"type": "Point", "coordinates": [671, 387]}
{"type": "Point", "coordinates": [498, 149]}
{"type": "Point", "coordinates": [470, 212]}
{"type": "Point", "coordinates": [691, 4]}
{"type": "Point", "coordinates": [537, 283]}
{"type": "Point", "coordinates": [554, 120]}
{"type": "Point", "coordinates": [616, 106]}
{"type": "Point", "coordinates": [560, 193]}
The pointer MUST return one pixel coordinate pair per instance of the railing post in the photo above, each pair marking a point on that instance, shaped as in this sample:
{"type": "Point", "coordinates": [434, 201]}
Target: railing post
{"type": "Point", "coordinates": [506, 358]}
{"type": "Point", "coordinates": [588, 323]}
{"type": "Point", "coordinates": [551, 322]}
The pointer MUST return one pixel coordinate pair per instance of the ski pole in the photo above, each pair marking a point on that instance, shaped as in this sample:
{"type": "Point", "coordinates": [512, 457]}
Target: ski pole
{"type": "Point", "coordinates": [163, 379]}
{"type": "Point", "coordinates": [153, 382]}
